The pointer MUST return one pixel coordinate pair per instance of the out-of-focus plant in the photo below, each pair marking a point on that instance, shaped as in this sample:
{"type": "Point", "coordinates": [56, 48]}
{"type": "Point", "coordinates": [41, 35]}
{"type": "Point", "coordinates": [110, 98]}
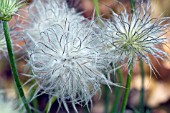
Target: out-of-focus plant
{"type": "Point", "coordinates": [7, 106]}
{"type": "Point", "coordinates": [8, 8]}
{"type": "Point", "coordinates": [2, 40]}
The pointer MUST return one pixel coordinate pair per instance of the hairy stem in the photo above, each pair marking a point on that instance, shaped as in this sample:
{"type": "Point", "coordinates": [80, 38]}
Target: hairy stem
{"type": "Point", "coordinates": [141, 103]}
{"type": "Point", "coordinates": [13, 66]}
{"type": "Point", "coordinates": [127, 90]}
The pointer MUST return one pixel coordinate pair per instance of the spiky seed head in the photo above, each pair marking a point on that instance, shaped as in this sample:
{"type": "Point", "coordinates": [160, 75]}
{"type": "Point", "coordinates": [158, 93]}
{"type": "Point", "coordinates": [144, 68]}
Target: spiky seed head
{"type": "Point", "coordinates": [64, 63]}
{"type": "Point", "coordinates": [65, 53]}
{"type": "Point", "coordinates": [132, 36]}
{"type": "Point", "coordinates": [8, 8]}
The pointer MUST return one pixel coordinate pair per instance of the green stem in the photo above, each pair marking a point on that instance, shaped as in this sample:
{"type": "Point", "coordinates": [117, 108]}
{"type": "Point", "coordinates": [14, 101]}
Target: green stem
{"type": "Point", "coordinates": [49, 104]}
{"type": "Point", "coordinates": [13, 66]}
{"type": "Point", "coordinates": [35, 105]}
{"type": "Point", "coordinates": [35, 101]}
{"type": "Point", "coordinates": [96, 7]}
{"type": "Point", "coordinates": [85, 110]}
{"type": "Point", "coordinates": [128, 82]}
{"type": "Point", "coordinates": [141, 103]}
{"type": "Point", "coordinates": [132, 5]}
{"type": "Point", "coordinates": [117, 93]}
{"type": "Point", "coordinates": [97, 10]}
{"type": "Point", "coordinates": [127, 90]}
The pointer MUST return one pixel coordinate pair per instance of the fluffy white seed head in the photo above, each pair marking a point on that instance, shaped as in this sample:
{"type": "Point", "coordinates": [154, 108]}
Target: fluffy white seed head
{"type": "Point", "coordinates": [65, 53]}
{"type": "Point", "coordinates": [132, 36]}
{"type": "Point", "coordinates": [64, 63]}
{"type": "Point", "coordinates": [42, 14]}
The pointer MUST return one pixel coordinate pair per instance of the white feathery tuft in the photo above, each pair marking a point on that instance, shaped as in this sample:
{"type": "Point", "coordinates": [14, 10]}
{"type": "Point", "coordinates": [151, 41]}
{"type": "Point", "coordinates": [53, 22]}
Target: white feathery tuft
{"type": "Point", "coordinates": [65, 53]}
{"type": "Point", "coordinates": [132, 36]}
